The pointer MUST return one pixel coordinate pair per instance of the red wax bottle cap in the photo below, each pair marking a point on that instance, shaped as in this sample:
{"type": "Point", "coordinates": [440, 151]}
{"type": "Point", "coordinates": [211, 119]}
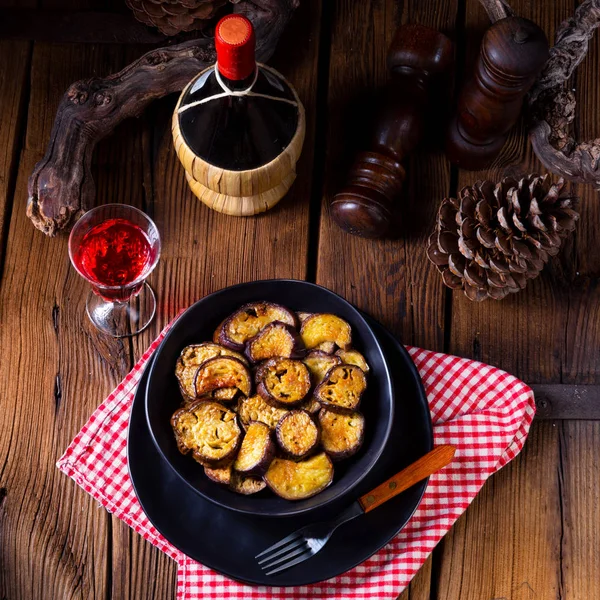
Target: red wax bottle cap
{"type": "Point", "coordinates": [234, 42]}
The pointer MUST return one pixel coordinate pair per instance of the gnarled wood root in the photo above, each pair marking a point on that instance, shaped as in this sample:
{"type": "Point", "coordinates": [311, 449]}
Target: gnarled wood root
{"type": "Point", "coordinates": [61, 187]}
{"type": "Point", "coordinates": [552, 106]}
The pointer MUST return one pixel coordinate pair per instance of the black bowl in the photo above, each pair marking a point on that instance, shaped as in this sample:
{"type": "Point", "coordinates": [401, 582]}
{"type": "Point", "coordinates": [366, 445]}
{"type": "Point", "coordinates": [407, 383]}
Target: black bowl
{"type": "Point", "coordinates": [197, 324]}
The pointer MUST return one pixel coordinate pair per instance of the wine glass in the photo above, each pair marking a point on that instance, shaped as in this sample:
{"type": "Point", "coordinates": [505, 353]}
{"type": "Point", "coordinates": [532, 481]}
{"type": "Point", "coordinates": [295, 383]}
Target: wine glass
{"type": "Point", "coordinates": [115, 247]}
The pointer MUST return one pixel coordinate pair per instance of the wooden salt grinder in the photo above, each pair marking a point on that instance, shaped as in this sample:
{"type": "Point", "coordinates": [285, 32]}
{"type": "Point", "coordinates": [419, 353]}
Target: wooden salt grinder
{"type": "Point", "coordinates": [416, 59]}
{"type": "Point", "coordinates": [512, 54]}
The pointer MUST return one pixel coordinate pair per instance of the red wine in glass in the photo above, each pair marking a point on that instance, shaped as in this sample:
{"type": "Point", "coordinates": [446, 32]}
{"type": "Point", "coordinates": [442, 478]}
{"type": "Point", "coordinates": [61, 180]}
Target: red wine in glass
{"type": "Point", "coordinates": [114, 253]}
{"type": "Point", "coordinates": [115, 247]}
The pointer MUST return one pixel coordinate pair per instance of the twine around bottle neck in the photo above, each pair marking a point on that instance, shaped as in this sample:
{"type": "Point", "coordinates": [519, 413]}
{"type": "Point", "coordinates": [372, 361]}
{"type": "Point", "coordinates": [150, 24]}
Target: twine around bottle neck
{"type": "Point", "coordinates": [237, 93]}
{"type": "Point", "coordinates": [226, 88]}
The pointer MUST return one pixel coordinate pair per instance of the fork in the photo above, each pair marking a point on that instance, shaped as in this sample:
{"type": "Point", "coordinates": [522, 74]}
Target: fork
{"type": "Point", "coordinates": [306, 542]}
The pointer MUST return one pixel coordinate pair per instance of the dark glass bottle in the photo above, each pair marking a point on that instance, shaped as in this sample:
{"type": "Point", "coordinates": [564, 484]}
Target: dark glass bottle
{"type": "Point", "coordinates": [237, 115]}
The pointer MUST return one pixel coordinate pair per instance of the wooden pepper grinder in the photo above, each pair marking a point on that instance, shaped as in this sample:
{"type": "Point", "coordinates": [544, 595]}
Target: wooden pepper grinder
{"type": "Point", "coordinates": [417, 59]}
{"type": "Point", "coordinates": [512, 54]}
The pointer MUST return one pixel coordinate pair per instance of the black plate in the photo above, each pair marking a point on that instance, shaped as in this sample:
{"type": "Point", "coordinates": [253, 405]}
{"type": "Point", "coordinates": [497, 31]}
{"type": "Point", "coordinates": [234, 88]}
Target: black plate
{"type": "Point", "coordinates": [198, 323]}
{"type": "Point", "coordinates": [227, 541]}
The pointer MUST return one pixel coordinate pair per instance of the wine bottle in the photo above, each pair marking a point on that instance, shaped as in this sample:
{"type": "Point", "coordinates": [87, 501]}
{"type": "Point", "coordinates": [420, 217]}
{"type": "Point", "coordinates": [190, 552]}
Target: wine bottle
{"type": "Point", "coordinates": [238, 127]}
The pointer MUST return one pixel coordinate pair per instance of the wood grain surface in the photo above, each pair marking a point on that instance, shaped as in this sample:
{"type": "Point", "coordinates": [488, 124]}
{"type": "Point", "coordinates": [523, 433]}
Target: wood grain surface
{"type": "Point", "coordinates": [530, 534]}
{"type": "Point", "coordinates": [14, 67]}
{"type": "Point", "coordinates": [510, 544]}
{"type": "Point", "coordinates": [390, 279]}
{"type": "Point", "coordinates": [564, 401]}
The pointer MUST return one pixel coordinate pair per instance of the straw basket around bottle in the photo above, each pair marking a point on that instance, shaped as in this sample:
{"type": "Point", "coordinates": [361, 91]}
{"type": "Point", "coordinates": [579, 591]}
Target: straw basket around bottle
{"type": "Point", "coordinates": [240, 192]}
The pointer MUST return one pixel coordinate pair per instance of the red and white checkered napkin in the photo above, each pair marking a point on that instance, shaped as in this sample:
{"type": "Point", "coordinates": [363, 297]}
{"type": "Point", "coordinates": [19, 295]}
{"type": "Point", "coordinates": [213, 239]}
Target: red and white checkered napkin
{"type": "Point", "coordinates": [484, 412]}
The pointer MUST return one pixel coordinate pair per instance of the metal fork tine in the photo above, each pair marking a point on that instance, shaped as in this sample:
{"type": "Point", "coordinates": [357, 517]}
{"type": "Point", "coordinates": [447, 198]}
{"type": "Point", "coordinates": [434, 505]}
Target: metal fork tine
{"type": "Point", "coordinates": [280, 543]}
{"type": "Point", "coordinates": [297, 560]}
{"type": "Point", "coordinates": [287, 548]}
{"type": "Point", "coordinates": [298, 549]}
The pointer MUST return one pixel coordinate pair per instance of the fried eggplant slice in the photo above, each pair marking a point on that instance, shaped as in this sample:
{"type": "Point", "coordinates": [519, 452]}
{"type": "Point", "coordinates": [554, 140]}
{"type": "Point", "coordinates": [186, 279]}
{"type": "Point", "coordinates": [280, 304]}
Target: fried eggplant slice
{"type": "Point", "coordinates": [342, 388]}
{"type": "Point", "coordinates": [248, 320]}
{"type": "Point", "coordinates": [191, 358]}
{"type": "Point", "coordinates": [283, 382]}
{"type": "Point", "coordinates": [223, 372]}
{"type": "Point", "coordinates": [354, 357]}
{"type": "Point", "coordinates": [256, 409]}
{"type": "Point", "coordinates": [220, 475]}
{"type": "Point", "coordinates": [297, 434]}
{"type": "Point", "coordinates": [341, 434]}
{"type": "Point", "coordinates": [276, 339]}
{"type": "Point", "coordinates": [294, 480]}
{"type": "Point", "coordinates": [218, 331]}
{"type": "Point", "coordinates": [324, 328]}
{"type": "Point", "coordinates": [225, 394]}
{"type": "Point", "coordinates": [319, 364]}
{"type": "Point", "coordinates": [326, 347]}
{"type": "Point", "coordinates": [302, 316]}
{"type": "Point", "coordinates": [242, 484]}
{"type": "Point", "coordinates": [310, 405]}
{"type": "Point", "coordinates": [256, 452]}
{"type": "Point", "coordinates": [209, 430]}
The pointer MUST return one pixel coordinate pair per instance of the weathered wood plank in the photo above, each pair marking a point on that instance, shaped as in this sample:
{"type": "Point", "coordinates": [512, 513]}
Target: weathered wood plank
{"type": "Point", "coordinates": [420, 587]}
{"type": "Point", "coordinates": [110, 6]}
{"type": "Point", "coordinates": [47, 375]}
{"type": "Point", "coordinates": [563, 401]}
{"type": "Point", "coordinates": [68, 26]}
{"type": "Point", "coordinates": [204, 251]}
{"type": "Point", "coordinates": [427, 183]}
{"type": "Point", "coordinates": [392, 280]}
{"type": "Point", "coordinates": [507, 544]}
{"type": "Point", "coordinates": [578, 441]}
{"type": "Point", "coordinates": [14, 71]}
{"type": "Point", "coordinates": [138, 569]}
{"type": "Point", "coordinates": [510, 543]}
{"type": "Point", "coordinates": [580, 512]}
{"type": "Point", "coordinates": [496, 551]}
{"type": "Point", "coordinates": [119, 175]}
{"type": "Point", "coordinates": [581, 363]}
{"type": "Point", "coordinates": [524, 333]}
{"type": "Point", "coordinates": [550, 331]}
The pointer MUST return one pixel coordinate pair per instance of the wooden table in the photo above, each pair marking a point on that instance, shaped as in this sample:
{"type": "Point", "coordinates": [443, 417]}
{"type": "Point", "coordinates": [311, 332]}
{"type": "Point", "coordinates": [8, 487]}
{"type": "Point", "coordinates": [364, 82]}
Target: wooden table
{"type": "Point", "coordinates": [533, 531]}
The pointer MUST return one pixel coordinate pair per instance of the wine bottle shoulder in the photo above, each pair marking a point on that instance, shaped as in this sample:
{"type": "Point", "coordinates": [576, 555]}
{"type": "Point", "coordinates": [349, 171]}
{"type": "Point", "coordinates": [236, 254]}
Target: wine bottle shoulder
{"type": "Point", "coordinates": [239, 129]}
{"type": "Point", "coordinates": [265, 81]}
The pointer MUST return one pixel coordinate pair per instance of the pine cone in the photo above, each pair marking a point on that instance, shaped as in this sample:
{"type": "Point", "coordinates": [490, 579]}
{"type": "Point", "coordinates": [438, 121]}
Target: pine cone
{"type": "Point", "coordinates": [175, 16]}
{"type": "Point", "coordinates": [496, 237]}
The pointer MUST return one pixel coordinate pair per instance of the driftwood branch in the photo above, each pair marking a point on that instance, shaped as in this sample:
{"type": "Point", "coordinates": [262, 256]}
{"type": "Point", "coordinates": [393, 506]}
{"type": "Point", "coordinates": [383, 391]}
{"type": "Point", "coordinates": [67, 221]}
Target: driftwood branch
{"type": "Point", "coordinates": [552, 104]}
{"type": "Point", "coordinates": [61, 186]}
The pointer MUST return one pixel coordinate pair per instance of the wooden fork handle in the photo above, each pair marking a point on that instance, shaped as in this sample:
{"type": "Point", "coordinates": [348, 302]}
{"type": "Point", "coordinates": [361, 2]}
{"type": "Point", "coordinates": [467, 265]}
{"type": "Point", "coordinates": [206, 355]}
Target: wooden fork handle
{"type": "Point", "coordinates": [433, 461]}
